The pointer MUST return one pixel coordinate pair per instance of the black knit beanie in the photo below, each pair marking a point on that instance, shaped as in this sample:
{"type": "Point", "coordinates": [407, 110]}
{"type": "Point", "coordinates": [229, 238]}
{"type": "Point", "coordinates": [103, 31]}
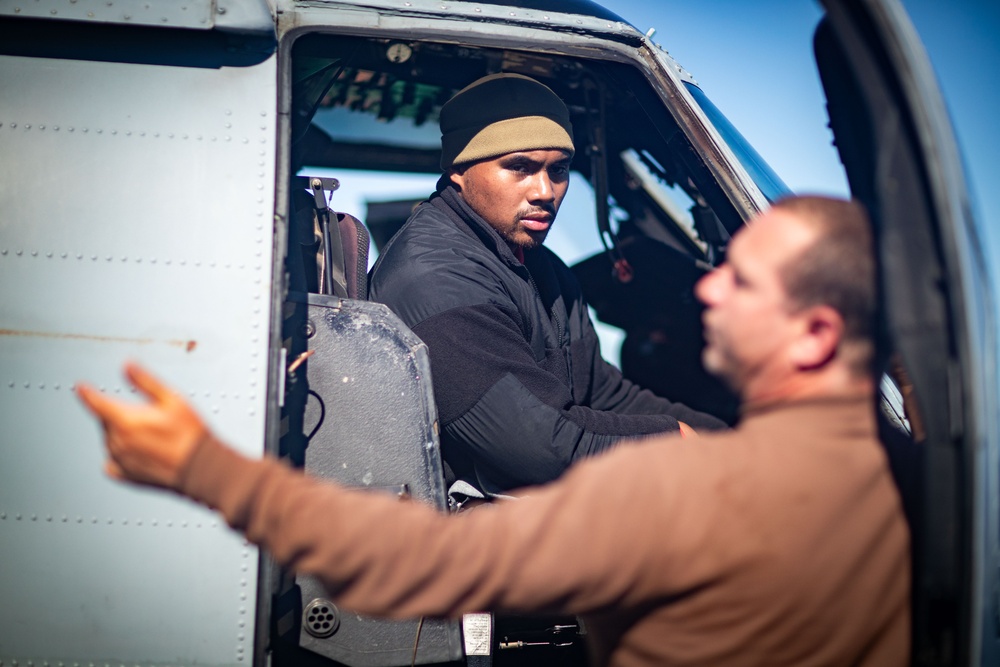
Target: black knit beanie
{"type": "Point", "coordinates": [500, 114]}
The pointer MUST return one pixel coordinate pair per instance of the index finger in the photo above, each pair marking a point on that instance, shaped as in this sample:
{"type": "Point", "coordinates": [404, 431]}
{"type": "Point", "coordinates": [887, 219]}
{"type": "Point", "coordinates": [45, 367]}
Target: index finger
{"type": "Point", "coordinates": [687, 431]}
{"type": "Point", "coordinates": [147, 383]}
{"type": "Point", "coordinates": [95, 401]}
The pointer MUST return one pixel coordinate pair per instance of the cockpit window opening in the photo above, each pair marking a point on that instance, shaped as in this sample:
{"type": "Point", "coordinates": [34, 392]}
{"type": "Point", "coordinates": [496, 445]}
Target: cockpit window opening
{"type": "Point", "coordinates": [375, 128]}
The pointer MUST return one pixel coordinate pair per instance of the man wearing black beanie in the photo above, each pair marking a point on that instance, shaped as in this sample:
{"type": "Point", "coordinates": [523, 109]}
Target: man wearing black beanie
{"type": "Point", "coordinates": [521, 388]}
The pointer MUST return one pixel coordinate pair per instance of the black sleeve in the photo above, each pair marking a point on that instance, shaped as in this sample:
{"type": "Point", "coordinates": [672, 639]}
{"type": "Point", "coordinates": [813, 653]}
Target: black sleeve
{"type": "Point", "coordinates": [596, 383]}
{"type": "Point", "coordinates": [511, 414]}
{"type": "Point", "coordinates": [613, 392]}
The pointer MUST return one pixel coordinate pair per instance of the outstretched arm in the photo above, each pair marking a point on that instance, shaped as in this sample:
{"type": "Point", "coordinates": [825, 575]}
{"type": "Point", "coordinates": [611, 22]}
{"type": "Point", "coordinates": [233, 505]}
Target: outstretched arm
{"type": "Point", "coordinates": [379, 556]}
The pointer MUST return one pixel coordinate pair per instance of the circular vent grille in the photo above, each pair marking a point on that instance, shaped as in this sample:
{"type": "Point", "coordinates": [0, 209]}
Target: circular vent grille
{"type": "Point", "coordinates": [320, 618]}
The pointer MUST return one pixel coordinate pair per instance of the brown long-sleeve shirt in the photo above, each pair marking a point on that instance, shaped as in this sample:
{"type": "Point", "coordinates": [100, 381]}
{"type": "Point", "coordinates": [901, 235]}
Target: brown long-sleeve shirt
{"type": "Point", "coordinates": [781, 542]}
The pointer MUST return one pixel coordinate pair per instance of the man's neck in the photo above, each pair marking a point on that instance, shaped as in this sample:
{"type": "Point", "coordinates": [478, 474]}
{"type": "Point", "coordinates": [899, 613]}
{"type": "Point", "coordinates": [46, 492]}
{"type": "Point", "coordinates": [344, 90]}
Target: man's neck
{"type": "Point", "coordinates": [829, 383]}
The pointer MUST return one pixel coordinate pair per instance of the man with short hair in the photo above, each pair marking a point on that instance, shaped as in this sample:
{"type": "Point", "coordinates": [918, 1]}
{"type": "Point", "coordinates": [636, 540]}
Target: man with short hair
{"type": "Point", "coordinates": [520, 385]}
{"type": "Point", "coordinates": [781, 542]}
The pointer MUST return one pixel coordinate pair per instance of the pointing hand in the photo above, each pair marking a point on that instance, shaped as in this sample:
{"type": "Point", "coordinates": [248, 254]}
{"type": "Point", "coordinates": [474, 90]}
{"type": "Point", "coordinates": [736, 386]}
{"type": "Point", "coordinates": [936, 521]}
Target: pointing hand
{"type": "Point", "coordinates": [149, 442]}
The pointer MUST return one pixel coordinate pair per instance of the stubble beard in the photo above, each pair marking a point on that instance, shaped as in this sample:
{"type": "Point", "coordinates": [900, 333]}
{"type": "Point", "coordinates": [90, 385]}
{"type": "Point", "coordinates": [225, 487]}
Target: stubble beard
{"type": "Point", "coordinates": [721, 365]}
{"type": "Point", "coordinates": [524, 238]}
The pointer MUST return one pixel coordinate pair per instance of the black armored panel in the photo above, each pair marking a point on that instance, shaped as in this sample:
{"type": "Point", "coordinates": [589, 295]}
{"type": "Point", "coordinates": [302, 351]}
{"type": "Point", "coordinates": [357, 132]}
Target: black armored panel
{"type": "Point", "coordinates": [369, 421]}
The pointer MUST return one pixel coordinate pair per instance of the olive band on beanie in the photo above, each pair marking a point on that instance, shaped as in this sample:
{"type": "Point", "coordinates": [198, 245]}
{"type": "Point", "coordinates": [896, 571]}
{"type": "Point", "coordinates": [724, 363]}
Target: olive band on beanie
{"type": "Point", "coordinates": [500, 114]}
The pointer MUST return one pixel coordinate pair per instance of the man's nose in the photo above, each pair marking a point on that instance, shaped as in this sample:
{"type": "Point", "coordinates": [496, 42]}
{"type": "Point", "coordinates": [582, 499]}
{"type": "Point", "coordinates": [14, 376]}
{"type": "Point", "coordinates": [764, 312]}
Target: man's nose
{"type": "Point", "coordinates": [541, 188]}
{"type": "Point", "coordinates": [708, 286]}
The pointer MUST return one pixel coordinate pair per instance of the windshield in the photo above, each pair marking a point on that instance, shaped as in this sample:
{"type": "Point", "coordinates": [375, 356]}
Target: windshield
{"type": "Point", "coordinates": [770, 183]}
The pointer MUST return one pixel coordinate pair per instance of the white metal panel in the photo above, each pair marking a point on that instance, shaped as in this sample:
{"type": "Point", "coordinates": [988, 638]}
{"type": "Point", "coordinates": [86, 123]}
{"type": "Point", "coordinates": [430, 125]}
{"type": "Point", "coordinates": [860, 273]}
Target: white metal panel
{"type": "Point", "coordinates": [135, 223]}
{"type": "Point", "coordinates": [168, 13]}
{"type": "Point", "coordinates": [245, 16]}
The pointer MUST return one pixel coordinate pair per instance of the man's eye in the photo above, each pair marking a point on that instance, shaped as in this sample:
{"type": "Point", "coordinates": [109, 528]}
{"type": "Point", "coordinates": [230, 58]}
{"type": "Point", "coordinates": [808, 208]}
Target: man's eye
{"type": "Point", "coordinates": [519, 167]}
{"type": "Point", "coordinates": [559, 171]}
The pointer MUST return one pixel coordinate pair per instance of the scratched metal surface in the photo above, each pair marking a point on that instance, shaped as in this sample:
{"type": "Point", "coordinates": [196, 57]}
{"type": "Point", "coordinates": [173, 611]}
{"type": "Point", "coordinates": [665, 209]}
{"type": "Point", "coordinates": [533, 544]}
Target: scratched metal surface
{"type": "Point", "coordinates": [136, 224]}
{"type": "Point", "coordinates": [236, 15]}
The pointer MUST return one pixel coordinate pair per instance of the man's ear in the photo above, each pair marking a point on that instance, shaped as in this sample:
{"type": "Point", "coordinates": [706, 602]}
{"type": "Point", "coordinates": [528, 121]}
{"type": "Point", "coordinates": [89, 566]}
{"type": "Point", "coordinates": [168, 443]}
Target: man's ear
{"type": "Point", "coordinates": [817, 343]}
{"type": "Point", "coordinates": [456, 176]}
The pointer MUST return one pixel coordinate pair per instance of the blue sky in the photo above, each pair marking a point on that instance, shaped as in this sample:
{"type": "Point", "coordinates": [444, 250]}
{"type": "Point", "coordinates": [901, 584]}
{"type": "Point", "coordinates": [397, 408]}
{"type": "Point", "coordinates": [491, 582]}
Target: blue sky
{"type": "Point", "coordinates": [754, 59]}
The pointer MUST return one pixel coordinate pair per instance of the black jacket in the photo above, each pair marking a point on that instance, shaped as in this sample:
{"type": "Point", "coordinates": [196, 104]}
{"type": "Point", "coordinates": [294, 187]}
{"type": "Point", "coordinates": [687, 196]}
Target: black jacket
{"type": "Point", "coordinates": [521, 388]}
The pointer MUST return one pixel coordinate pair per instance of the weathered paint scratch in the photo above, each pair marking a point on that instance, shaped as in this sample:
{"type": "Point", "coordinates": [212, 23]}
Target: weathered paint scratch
{"type": "Point", "coordinates": [187, 345]}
